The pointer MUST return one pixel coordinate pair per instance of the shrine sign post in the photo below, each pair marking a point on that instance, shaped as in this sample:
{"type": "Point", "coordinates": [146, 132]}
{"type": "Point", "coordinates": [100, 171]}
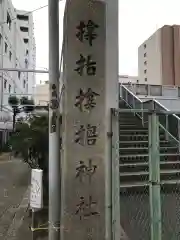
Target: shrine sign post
{"type": "Point", "coordinates": [91, 90]}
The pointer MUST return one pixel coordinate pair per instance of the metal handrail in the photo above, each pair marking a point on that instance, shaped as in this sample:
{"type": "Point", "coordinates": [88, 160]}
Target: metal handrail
{"type": "Point", "coordinates": [158, 104]}
{"type": "Point", "coordinates": [132, 94]}
{"type": "Point", "coordinates": [167, 123]}
{"type": "Point", "coordinates": [141, 116]}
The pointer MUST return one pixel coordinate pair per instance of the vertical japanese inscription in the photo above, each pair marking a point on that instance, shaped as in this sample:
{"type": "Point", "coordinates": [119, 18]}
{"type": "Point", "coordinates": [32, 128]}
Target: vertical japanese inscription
{"type": "Point", "coordinates": [86, 133]}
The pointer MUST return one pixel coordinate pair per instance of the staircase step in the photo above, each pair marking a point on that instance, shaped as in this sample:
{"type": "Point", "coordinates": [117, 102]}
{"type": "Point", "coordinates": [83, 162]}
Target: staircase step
{"type": "Point", "coordinates": [142, 159]}
{"type": "Point", "coordinates": [140, 150]}
{"type": "Point", "coordinates": [134, 184]}
{"type": "Point", "coordinates": [143, 143]}
{"type": "Point", "coordinates": [170, 174]}
{"type": "Point", "coordinates": [146, 148]}
{"type": "Point", "coordinates": [146, 183]}
{"type": "Point", "coordinates": [134, 132]}
{"type": "Point", "coordinates": [131, 177]}
{"type": "Point", "coordinates": [147, 155]}
{"type": "Point", "coordinates": [146, 163]}
{"type": "Point", "coordinates": [137, 137]}
{"type": "Point", "coordinates": [132, 128]}
{"type": "Point", "coordinates": [144, 166]}
{"type": "Point", "coordinates": [164, 171]}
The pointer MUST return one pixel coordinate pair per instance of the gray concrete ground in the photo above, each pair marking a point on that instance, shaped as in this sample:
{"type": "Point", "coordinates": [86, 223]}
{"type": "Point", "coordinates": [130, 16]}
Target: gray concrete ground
{"type": "Point", "coordinates": [14, 182]}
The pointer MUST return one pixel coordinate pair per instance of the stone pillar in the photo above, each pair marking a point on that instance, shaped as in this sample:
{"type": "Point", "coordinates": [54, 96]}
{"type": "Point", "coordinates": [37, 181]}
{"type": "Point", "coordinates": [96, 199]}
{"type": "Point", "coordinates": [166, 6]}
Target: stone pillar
{"type": "Point", "coordinates": [91, 90]}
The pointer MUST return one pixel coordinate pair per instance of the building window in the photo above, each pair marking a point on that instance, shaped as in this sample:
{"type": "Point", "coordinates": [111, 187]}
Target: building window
{"type": "Point", "coordinates": [24, 29]}
{"type": "Point", "coordinates": [0, 38]}
{"type": "Point", "coordinates": [9, 88]}
{"type": "Point", "coordinates": [24, 83]}
{"type": "Point", "coordinates": [26, 63]}
{"type": "Point", "coordinates": [145, 46]}
{"type": "Point", "coordinates": [5, 84]}
{"type": "Point", "coordinates": [9, 21]}
{"type": "Point", "coordinates": [5, 47]}
{"type": "Point", "coordinates": [145, 79]}
{"type": "Point", "coordinates": [10, 55]}
{"type": "Point", "coordinates": [145, 62]}
{"type": "Point", "coordinates": [27, 52]}
{"type": "Point", "coordinates": [145, 54]}
{"type": "Point", "coordinates": [145, 71]}
{"type": "Point", "coordinates": [26, 40]}
{"type": "Point", "coordinates": [19, 74]}
{"type": "Point", "coordinates": [23, 17]}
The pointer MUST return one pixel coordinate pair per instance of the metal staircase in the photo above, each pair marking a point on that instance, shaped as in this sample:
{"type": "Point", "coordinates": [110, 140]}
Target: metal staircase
{"type": "Point", "coordinates": [134, 149]}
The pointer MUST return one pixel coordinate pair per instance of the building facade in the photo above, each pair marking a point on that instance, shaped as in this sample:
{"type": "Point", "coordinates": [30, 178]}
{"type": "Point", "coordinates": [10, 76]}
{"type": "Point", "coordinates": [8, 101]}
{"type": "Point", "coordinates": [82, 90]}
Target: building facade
{"type": "Point", "coordinates": [17, 50]}
{"type": "Point", "coordinates": [26, 25]}
{"type": "Point", "coordinates": [42, 94]}
{"type": "Point", "coordinates": [159, 57]}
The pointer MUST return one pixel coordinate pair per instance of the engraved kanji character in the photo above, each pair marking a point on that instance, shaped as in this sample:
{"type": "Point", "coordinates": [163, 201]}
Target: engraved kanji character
{"type": "Point", "coordinates": [86, 100]}
{"type": "Point", "coordinates": [86, 63]}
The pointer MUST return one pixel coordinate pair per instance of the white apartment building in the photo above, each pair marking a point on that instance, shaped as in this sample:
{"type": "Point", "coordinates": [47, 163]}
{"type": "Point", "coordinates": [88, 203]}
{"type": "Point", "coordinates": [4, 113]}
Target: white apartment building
{"type": "Point", "coordinates": [158, 57]}
{"type": "Point", "coordinates": [26, 24]}
{"type": "Point", "coordinates": [17, 50]}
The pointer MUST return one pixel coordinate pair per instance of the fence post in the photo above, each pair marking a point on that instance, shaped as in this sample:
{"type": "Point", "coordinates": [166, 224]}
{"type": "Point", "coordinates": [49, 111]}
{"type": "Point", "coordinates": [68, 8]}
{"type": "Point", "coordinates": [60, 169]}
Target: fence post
{"type": "Point", "coordinates": [154, 177]}
{"type": "Point", "coordinates": [115, 179]}
{"type": "Point", "coordinates": [179, 134]}
{"type": "Point", "coordinates": [126, 96]}
{"type": "Point", "coordinates": [134, 105]}
{"type": "Point", "coordinates": [142, 114]}
{"type": "Point", "coordinates": [167, 128]}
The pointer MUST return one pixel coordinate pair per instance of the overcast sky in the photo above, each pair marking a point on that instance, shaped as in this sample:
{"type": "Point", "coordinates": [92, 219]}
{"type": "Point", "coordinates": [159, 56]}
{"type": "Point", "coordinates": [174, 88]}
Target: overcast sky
{"type": "Point", "coordinates": [138, 19]}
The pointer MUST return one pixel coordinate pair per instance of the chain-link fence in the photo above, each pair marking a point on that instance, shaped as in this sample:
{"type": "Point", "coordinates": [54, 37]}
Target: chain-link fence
{"type": "Point", "coordinates": [149, 178]}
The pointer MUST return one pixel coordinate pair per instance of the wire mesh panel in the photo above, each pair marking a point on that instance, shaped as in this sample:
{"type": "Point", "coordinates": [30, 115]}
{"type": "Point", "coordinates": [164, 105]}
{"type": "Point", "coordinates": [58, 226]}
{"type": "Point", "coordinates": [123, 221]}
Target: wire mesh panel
{"type": "Point", "coordinates": [135, 213]}
{"type": "Point", "coordinates": [170, 207]}
{"type": "Point", "coordinates": [134, 177]}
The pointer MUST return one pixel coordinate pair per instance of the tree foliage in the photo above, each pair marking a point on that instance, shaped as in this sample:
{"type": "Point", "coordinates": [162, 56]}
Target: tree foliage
{"type": "Point", "coordinates": [20, 105]}
{"type": "Point", "coordinates": [31, 142]}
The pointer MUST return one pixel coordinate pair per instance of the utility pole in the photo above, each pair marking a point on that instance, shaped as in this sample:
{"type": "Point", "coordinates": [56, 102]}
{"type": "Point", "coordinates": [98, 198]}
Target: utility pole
{"type": "Point", "coordinates": [54, 122]}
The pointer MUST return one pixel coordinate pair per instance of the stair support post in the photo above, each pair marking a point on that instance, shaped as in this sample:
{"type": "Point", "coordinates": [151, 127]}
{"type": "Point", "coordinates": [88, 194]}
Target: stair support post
{"type": "Point", "coordinates": [154, 178]}
{"type": "Point", "coordinates": [179, 134]}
